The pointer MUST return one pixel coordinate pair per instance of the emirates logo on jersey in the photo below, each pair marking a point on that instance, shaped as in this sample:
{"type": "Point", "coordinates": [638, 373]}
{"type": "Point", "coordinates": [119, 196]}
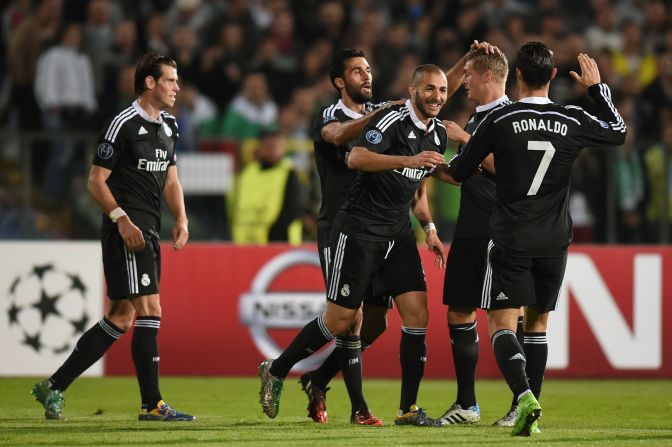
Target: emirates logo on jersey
{"type": "Point", "coordinates": [413, 174]}
{"type": "Point", "coordinates": [158, 165]}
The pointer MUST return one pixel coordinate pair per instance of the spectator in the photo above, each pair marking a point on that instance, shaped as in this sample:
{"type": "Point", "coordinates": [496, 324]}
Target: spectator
{"type": "Point", "coordinates": [65, 93]}
{"type": "Point", "coordinates": [98, 37]}
{"type": "Point", "coordinates": [156, 38]}
{"type": "Point", "coordinates": [267, 203]}
{"type": "Point", "coordinates": [634, 60]}
{"type": "Point", "coordinates": [25, 48]}
{"type": "Point", "coordinates": [122, 54]}
{"type": "Point", "coordinates": [630, 183]}
{"type": "Point", "coordinates": [655, 98]}
{"type": "Point", "coordinates": [658, 162]}
{"type": "Point", "coordinates": [192, 108]}
{"type": "Point", "coordinates": [604, 32]}
{"type": "Point", "coordinates": [251, 111]}
{"type": "Point", "coordinates": [185, 48]}
{"type": "Point", "coordinates": [222, 64]}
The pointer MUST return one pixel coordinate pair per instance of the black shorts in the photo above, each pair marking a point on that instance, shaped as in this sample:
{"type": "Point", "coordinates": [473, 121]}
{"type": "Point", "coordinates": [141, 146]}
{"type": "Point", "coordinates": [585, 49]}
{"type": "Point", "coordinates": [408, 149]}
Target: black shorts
{"type": "Point", "coordinates": [465, 270]}
{"type": "Point", "coordinates": [376, 295]}
{"type": "Point", "coordinates": [355, 262]}
{"type": "Point", "coordinates": [512, 282]}
{"type": "Point", "coordinates": [130, 274]}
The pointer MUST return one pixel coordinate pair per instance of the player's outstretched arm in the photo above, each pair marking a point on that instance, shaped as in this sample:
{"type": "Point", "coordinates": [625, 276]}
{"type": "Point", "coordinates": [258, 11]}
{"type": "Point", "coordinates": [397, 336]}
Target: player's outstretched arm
{"type": "Point", "coordinates": [97, 186]}
{"type": "Point", "coordinates": [338, 134]}
{"type": "Point", "coordinates": [362, 159]}
{"type": "Point", "coordinates": [172, 193]}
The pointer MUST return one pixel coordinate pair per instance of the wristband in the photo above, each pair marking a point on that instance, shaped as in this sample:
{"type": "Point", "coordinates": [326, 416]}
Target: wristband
{"type": "Point", "coordinates": [429, 227]}
{"type": "Point", "coordinates": [116, 213]}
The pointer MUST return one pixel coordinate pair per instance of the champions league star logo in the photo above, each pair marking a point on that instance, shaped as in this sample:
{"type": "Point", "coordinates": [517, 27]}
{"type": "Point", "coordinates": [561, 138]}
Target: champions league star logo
{"type": "Point", "coordinates": [261, 310]}
{"type": "Point", "coordinates": [47, 309]}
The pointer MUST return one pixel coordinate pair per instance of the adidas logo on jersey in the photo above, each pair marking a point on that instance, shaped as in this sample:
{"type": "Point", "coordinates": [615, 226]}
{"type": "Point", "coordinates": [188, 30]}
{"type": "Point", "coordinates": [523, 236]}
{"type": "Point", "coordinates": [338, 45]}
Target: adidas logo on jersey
{"type": "Point", "coordinates": [411, 135]}
{"type": "Point", "coordinates": [518, 356]}
{"type": "Point", "coordinates": [501, 297]}
{"type": "Point", "coordinates": [142, 131]}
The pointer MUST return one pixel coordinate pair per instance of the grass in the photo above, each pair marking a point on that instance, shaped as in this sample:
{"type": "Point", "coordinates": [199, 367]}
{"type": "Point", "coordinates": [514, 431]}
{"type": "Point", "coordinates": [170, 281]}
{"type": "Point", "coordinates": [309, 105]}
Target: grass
{"type": "Point", "coordinates": [104, 411]}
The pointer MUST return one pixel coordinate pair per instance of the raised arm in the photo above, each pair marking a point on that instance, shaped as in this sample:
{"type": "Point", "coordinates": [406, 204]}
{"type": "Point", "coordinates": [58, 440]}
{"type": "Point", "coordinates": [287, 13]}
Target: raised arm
{"type": "Point", "coordinates": [608, 127]}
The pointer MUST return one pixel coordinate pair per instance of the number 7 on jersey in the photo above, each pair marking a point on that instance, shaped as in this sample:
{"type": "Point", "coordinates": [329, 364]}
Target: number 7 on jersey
{"type": "Point", "coordinates": [549, 151]}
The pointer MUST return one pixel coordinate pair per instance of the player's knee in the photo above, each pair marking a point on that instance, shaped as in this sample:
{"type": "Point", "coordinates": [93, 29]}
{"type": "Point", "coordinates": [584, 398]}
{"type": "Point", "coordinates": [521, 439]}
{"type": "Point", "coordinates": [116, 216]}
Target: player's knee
{"type": "Point", "coordinates": [123, 322]}
{"type": "Point", "coordinates": [416, 319]}
{"type": "Point", "coordinates": [148, 306]}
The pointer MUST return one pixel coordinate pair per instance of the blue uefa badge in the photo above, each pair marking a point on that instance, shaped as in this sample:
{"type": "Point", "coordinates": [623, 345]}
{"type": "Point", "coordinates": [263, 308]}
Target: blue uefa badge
{"type": "Point", "coordinates": [603, 124]}
{"type": "Point", "coordinates": [105, 151]}
{"type": "Point", "coordinates": [328, 119]}
{"type": "Point", "coordinates": [374, 136]}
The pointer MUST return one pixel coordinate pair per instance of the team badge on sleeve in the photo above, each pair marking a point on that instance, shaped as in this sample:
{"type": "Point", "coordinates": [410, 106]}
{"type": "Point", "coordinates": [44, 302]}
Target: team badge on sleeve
{"type": "Point", "coordinates": [374, 137]}
{"type": "Point", "coordinates": [105, 151]}
{"type": "Point", "coordinates": [328, 119]}
{"type": "Point", "coordinates": [603, 124]}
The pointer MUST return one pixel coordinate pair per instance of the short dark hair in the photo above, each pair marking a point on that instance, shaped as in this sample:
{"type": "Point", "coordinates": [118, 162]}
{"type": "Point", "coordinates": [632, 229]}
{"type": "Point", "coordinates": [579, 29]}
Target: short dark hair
{"type": "Point", "coordinates": [150, 65]}
{"type": "Point", "coordinates": [337, 68]}
{"type": "Point", "coordinates": [535, 62]}
{"type": "Point", "coordinates": [420, 70]}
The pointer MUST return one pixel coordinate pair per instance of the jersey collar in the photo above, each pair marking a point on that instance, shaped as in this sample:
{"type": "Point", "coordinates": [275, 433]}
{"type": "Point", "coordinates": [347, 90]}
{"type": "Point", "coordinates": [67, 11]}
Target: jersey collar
{"type": "Point", "coordinates": [492, 105]}
{"type": "Point", "coordinates": [536, 100]}
{"type": "Point", "coordinates": [348, 112]}
{"type": "Point", "coordinates": [419, 124]}
{"type": "Point", "coordinates": [144, 115]}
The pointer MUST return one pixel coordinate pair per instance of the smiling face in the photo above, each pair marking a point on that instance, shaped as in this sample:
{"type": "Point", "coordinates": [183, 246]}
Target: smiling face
{"type": "Point", "coordinates": [429, 93]}
{"type": "Point", "coordinates": [357, 79]}
{"type": "Point", "coordinates": [165, 88]}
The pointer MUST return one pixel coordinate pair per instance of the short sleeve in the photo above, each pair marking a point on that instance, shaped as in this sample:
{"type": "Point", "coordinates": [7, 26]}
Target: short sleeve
{"type": "Point", "coordinates": [377, 135]}
{"type": "Point", "coordinates": [326, 116]}
{"type": "Point", "coordinates": [109, 147]}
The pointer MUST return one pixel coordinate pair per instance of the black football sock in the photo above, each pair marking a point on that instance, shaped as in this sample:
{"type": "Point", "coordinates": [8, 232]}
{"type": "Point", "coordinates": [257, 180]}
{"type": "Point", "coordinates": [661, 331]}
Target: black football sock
{"type": "Point", "coordinates": [330, 367]}
{"type": "Point", "coordinates": [521, 341]}
{"type": "Point", "coordinates": [511, 360]}
{"type": "Point", "coordinates": [365, 344]}
{"type": "Point", "coordinates": [327, 370]}
{"type": "Point", "coordinates": [90, 347]}
{"type": "Point", "coordinates": [350, 352]}
{"type": "Point", "coordinates": [536, 353]}
{"type": "Point", "coordinates": [412, 354]}
{"type": "Point", "coordinates": [312, 337]}
{"type": "Point", "coordinates": [464, 339]}
{"type": "Point", "coordinates": [145, 350]}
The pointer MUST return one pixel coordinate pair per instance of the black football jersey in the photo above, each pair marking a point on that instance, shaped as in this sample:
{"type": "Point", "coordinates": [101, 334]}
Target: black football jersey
{"type": "Point", "coordinates": [335, 177]}
{"type": "Point", "coordinates": [535, 143]}
{"type": "Point", "coordinates": [477, 199]}
{"type": "Point", "coordinates": [377, 207]}
{"type": "Point", "coordinates": [138, 150]}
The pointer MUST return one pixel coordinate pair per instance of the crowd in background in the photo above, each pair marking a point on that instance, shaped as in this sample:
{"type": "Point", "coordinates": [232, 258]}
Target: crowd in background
{"type": "Point", "coordinates": [246, 66]}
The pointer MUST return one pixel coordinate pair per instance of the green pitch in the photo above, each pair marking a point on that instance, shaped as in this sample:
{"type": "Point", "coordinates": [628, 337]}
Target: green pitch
{"type": "Point", "coordinates": [104, 412]}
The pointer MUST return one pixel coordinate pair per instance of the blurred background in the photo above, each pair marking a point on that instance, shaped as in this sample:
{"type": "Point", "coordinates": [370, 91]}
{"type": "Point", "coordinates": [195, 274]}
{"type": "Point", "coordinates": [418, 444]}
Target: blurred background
{"type": "Point", "coordinates": [249, 66]}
